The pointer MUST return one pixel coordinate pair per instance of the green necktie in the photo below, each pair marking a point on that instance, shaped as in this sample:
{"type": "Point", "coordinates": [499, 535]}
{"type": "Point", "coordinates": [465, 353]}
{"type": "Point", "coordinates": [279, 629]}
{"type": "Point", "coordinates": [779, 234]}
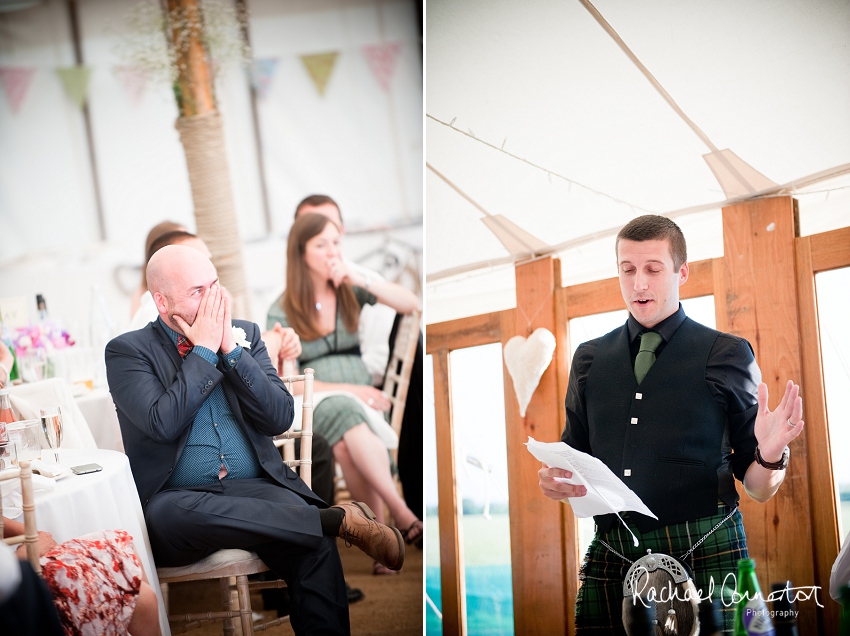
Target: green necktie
{"type": "Point", "coordinates": [649, 341]}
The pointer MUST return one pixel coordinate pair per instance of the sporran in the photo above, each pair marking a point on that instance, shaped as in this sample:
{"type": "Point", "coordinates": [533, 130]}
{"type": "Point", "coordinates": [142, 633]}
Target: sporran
{"type": "Point", "coordinates": [661, 585]}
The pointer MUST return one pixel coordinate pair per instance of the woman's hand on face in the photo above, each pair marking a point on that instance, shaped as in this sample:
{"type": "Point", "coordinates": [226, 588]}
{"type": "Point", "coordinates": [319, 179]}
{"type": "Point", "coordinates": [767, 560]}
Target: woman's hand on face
{"type": "Point", "coordinates": [373, 397]}
{"type": "Point", "coordinates": [338, 272]}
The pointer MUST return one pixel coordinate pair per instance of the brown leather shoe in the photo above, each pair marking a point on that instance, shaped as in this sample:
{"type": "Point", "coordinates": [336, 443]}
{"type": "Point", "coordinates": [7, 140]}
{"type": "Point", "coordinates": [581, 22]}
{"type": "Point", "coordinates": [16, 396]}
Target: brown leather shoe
{"type": "Point", "coordinates": [359, 528]}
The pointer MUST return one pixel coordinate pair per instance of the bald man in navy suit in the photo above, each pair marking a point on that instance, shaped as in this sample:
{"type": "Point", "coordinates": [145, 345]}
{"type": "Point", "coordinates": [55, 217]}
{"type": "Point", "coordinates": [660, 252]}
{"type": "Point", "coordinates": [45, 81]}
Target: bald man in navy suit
{"type": "Point", "coordinates": [198, 401]}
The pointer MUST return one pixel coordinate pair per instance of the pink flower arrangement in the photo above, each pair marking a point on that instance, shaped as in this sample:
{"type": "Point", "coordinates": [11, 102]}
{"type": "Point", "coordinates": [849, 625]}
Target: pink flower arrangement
{"type": "Point", "coordinates": [42, 338]}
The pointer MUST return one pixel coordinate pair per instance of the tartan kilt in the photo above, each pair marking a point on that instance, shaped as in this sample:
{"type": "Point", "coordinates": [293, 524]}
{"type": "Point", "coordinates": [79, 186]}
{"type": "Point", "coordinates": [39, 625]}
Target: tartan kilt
{"type": "Point", "coordinates": [599, 603]}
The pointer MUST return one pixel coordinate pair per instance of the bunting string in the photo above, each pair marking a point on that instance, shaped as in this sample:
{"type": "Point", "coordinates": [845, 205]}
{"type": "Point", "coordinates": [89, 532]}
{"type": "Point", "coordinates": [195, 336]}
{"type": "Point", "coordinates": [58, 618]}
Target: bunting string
{"type": "Point", "coordinates": [382, 59]}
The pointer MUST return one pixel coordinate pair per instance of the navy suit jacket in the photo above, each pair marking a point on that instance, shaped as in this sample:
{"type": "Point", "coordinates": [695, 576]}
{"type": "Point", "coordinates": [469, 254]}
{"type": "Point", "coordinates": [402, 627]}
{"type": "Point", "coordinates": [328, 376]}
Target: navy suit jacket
{"type": "Point", "coordinates": [157, 394]}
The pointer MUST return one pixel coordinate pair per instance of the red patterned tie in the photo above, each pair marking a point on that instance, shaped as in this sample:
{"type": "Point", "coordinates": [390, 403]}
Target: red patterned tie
{"type": "Point", "coordinates": [184, 346]}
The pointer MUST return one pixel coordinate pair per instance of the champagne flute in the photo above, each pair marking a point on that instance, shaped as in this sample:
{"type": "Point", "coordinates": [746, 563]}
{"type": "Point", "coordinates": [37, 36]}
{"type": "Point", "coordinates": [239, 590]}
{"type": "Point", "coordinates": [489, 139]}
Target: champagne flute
{"type": "Point", "coordinates": [51, 423]}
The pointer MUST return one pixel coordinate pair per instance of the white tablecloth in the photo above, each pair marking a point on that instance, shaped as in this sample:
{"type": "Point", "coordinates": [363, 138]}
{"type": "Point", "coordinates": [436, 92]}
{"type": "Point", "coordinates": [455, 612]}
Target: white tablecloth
{"type": "Point", "coordinates": [105, 500]}
{"type": "Point", "coordinates": [99, 411]}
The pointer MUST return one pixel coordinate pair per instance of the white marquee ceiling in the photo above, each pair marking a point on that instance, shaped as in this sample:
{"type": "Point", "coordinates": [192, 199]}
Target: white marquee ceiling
{"type": "Point", "coordinates": [536, 114]}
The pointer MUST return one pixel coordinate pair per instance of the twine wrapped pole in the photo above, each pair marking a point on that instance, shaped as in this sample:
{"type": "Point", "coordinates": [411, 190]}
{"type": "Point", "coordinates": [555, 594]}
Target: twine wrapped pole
{"type": "Point", "coordinates": [202, 135]}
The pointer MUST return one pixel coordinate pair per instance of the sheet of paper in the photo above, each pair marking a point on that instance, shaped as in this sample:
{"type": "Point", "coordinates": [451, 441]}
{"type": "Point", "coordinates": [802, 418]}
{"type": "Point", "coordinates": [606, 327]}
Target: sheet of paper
{"type": "Point", "coordinates": [606, 493]}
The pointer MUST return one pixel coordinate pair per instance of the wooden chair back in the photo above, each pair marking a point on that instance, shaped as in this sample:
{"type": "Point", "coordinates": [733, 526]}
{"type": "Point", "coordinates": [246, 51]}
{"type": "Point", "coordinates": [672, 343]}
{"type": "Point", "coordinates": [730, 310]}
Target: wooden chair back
{"type": "Point", "coordinates": [286, 441]}
{"type": "Point", "coordinates": [397, 378]}
{"type": "Point", "coordinates": [30, 536]}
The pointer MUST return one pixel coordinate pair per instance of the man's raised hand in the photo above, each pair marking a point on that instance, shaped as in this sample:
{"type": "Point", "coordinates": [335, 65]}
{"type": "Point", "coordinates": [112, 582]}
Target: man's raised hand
{"type": "Point", "coordinates": [228, 343]}
{"type": "Point", "coordinates": [206, 330]}
{"type": "Point", "coordinates": [774, 430]}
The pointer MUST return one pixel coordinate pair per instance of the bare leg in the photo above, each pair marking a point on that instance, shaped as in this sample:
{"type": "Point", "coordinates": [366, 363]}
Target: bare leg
{"type": "Point", "coordinates": [369, 456]}
{"type": "Point", "coordinates": [145, 621]}
{"type": "Point", "coordinates": [358, 487]}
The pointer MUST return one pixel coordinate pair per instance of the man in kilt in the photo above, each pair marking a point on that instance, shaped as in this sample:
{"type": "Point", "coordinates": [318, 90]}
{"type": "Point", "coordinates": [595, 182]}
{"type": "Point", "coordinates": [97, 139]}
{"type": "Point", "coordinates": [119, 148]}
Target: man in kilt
{"type": "Point", "coordinates": [678, 412]}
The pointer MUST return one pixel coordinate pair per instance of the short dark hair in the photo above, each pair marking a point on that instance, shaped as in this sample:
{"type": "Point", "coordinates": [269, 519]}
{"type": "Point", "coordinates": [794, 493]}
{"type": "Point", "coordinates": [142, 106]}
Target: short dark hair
{"type": "Point", "coordinates": [169, 238]}
{"type": "Point", "coordinates": [315, 200]}
{"type": "Point", "coordinates": [652, 227]}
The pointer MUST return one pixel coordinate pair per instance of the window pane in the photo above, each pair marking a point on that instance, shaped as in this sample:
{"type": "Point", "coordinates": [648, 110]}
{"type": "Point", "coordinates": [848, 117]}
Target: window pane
{"type": "Point", "coordinates": [833, 309]}
{"type": "Point", "coordinates": [482, 482]}
{"type": "Point", "coordinates": [433, 598]}
{"type": "Point", "coordinates": [701, 309]}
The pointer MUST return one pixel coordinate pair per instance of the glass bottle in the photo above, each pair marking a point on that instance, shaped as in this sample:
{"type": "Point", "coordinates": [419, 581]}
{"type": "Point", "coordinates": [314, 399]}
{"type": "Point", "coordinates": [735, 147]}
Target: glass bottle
{"type": "Point", "coordinates": [845, 611]}
{"type": "Point", "coordinates": [784, 611]}
{"type": "Point", "coordinates": [710, 618]}
{"type": "Point", "coordinates": [7, 415]}
{"type": "Point", "coordinates": [751, 613]}
{"type": "Point", "coordinates": [42, 307]}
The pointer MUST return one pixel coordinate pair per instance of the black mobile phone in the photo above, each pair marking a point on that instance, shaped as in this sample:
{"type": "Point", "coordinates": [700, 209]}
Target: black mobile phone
{"type": "Point", "coordinates": [86, 468]}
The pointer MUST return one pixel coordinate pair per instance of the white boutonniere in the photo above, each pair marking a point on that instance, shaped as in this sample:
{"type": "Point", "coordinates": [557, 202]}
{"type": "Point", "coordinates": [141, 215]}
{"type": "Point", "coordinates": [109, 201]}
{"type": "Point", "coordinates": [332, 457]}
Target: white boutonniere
{"type": "Point", "coordinates": [241, 338]}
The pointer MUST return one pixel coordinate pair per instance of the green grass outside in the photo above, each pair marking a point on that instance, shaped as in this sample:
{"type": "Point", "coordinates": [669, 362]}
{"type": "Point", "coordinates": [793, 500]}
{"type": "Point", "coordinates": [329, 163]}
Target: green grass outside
{"type": "Point", "coordinates": [484, 542]}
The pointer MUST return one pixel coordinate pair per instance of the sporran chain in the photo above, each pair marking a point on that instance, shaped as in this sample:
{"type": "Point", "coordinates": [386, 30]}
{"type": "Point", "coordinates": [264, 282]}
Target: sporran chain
{"type": "Point", "coordinates": [693, 547]}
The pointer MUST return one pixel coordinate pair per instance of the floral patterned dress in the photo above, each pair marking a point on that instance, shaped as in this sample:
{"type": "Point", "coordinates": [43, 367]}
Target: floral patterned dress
{"type": "Point", "coordinates": [95, 581]}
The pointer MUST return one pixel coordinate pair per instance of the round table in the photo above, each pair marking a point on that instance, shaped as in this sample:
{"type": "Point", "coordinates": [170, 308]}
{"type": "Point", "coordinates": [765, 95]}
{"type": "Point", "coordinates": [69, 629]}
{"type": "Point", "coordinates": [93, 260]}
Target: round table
{"type": "Point", "coordinates": [105, 500]}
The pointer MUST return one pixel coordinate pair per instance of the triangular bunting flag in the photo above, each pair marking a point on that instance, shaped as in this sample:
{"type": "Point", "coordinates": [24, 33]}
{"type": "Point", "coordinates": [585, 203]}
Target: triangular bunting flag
{"type": "Point", "coordinates": [75, 79]}
{"type": "Point", "coordinates": [382, 58]}
{"type": "Point", "coordinates": [262, 72]}
{"type": "Point", "coordinates": [16, 81]}
{"type": "Point", "coordinates": [320, 66]}
{"type": "Point", "coordinates": [134, 82]}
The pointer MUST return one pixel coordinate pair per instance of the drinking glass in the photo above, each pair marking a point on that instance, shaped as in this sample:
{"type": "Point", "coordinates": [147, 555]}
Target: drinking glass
{"type": "Point", "coordinates": [51, 423]}
{"type": "Point", "coordinates": [8, 456]}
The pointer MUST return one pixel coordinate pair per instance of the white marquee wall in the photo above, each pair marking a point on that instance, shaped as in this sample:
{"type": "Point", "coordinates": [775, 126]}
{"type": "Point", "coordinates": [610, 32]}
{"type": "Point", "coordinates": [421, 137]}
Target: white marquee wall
{"type": "Point", "coordinates": [357, 143]}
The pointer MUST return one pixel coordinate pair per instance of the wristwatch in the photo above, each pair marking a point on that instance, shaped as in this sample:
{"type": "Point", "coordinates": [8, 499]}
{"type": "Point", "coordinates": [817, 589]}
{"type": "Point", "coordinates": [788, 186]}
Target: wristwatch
{"type": "Point", "coordinates": [782, 464]}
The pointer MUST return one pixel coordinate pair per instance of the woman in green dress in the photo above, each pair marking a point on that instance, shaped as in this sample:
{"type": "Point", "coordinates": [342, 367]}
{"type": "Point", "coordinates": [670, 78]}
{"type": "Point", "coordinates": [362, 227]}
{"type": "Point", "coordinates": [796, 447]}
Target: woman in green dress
{"type": "Point", "coordinates": [322, 303]}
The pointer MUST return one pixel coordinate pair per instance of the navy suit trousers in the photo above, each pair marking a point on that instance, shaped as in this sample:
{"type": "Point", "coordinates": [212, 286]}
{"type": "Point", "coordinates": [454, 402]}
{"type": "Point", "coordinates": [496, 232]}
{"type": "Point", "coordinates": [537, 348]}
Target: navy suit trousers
{"type": "Point", "coordinates": [258, 515]}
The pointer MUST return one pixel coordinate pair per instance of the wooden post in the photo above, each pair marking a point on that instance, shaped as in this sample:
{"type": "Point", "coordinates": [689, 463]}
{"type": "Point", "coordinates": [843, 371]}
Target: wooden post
{"type": "Point", "coordinates": [452, 580]}
{"type": "Point", "coordinates": [762, 306]}
{"type": "Point", "coordinates": [820, 471]}
{"type": "Point", "coordinates": [571, 557]}
{"type": "Point", "coordinates": [537, 523]}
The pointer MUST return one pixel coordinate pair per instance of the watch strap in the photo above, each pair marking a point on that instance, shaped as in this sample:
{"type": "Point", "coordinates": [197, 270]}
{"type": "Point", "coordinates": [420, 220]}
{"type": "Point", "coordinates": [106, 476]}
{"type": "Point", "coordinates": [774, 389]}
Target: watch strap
{"type": "Point", "coordinates": [782, 464]}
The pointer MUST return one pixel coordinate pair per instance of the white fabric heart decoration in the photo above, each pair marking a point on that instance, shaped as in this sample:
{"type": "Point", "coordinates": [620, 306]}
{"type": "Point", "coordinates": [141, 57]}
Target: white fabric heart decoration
{"type": "Point", "coordinates": [527, 359]}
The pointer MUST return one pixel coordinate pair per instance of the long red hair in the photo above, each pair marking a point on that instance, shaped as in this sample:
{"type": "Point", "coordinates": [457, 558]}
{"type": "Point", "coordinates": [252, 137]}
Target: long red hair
{"type": "Point", "coordinates": [299, 299]}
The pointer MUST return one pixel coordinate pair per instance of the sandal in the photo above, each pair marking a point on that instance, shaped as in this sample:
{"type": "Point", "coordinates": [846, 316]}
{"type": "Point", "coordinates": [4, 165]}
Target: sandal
{"type": "Point", "coordinates": [379, 569]}
{"type": "Point", "coordinates": [413, 534]}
